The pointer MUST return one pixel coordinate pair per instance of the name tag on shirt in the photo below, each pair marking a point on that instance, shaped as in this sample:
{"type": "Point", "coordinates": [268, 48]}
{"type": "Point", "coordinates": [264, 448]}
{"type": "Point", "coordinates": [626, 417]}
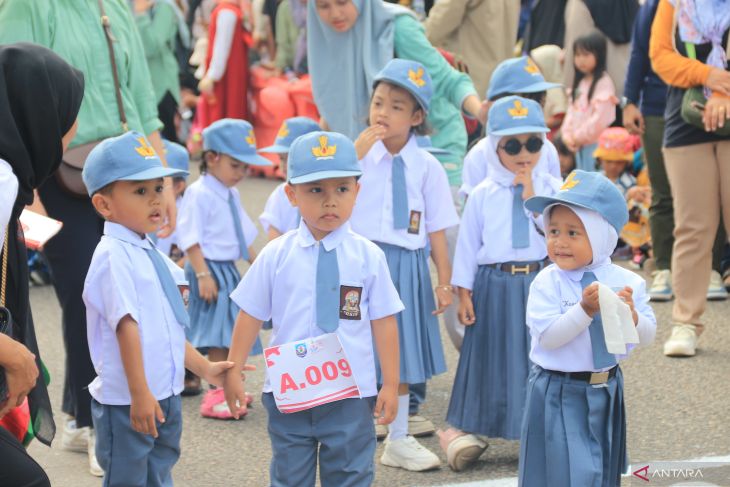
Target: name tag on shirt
{"type": "Point", "coordinates": [350, 303]}
{"type": "Point", "coordinates": [308, 373]}
{"type": "Point", "coordinates": [414, 227]}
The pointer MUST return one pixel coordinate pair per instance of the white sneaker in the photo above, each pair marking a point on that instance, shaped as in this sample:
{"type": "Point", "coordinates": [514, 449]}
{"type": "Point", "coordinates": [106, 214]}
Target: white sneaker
{"type": "Point", "coordinates": [464, 450]}
{"type": "Point", "coordinates": [682, 342]}
{"type": "Point", "coordinates": [419, 426]}
{"type": "Point", "coordinates": [661, 286]}
{"type": "Point", "coordinates": [73, 438]}
{"type": "Point", "coordinates": [94, 467]}
{"type": "Point", "coordinates": [716, 289]}
{"type": "Point", "coordinates": [407, 453]}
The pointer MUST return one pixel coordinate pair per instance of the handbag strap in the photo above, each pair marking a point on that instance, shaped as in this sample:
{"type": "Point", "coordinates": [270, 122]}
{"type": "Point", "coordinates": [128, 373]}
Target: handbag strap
{"type": "Point", "coordinates": [107, 27]}
{"type": "Point", "coordinates": [5, 268]}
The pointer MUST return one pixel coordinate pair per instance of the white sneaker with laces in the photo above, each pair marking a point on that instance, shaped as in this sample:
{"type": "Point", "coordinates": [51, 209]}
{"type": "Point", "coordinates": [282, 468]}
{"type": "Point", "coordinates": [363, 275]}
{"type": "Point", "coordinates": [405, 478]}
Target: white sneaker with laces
{"type": "Point", "coordinates": [716, 289]}
{"type": "Point", "coordinates": [94, 467]}
{"type": "Point", "coordinates": [682, 342]}
{"type": "Point", "coordinates": [661, 286]}
{"type": "Point", "coordinates": [407, 453]}
{"type": "Point", "coordinates": [73, 438]}
{"type": "Point", "coordinates": [420, 426]}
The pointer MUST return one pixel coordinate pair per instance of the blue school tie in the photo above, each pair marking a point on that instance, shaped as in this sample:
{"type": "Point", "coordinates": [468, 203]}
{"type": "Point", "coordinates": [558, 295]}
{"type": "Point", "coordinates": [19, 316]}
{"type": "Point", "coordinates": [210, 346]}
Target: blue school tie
{"type": "Point", "coordinates": [237, 224]}
{"type": "Point", "coordinates": [520, 222]}
{"type": "Point", "coordinates": [328, 283]}
{"type": "Point", "coordinates": [168, 286]}
{"type": "Point", "coordinates": [601, 357]}
{"type": "Point", "coordinates": [400, 194]}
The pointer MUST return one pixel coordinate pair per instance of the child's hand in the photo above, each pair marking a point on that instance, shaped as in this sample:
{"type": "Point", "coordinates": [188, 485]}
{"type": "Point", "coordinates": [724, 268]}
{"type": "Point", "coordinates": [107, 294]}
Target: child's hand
{"type": "Point", "coordinates": [235, 393]}
{"type": "Point", "coordinates": [143, 412]}
{"type": "Point", "coordinates": [386, 407]}
{"type": "Point", "coordinates": [142, 6]}
{"type": "Point", "coordinates": [207, 288]}
{"type": "Point", "coordinates": [589, 303]}
{"type": "Point", "coordinates": [216, 372]}
{"type": "Point", "coordinates": [627, 294]}
{"type": "Point", "coordinates": [367, 139]}
{"type": "Point", "coordinates": [524, 177]}
{"type": "Point", "coordinates": [466, 313]}
{"type": "Point", "coordinates": [206, 85]}
{"type": "Point", "coordinates": [444, 298]}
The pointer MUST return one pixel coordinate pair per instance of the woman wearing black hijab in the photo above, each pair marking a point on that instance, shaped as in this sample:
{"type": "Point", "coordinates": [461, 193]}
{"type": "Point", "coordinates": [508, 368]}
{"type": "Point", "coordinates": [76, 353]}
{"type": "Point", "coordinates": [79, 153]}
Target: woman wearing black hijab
{"type": "Point", "coordinates": [40, 96]}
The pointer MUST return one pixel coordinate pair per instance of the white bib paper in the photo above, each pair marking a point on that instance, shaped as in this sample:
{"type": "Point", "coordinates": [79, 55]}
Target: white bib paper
{"type": "Point", "coordinates": [618, 323]}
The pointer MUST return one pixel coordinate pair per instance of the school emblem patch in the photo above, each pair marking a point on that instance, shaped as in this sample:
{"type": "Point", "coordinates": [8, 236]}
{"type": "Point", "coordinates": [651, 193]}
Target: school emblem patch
{"type": "Point", "coordinates": [416, 77]}
{"type": "Point", "coordinates": [324, 151]}
{"type": "Point", "coordinates": [145, 150]}
{"type": "Point", "coordinates": [531, 67]}
{"type": "Point", "coordinates": [570, 183]}
{"type": "Point", "coordinates": [251, 139]}
{"type": "Point", "coordinates": [350, 302]}
{"type": "Point", "coordinates": [283, 131]}
{"type": "Point", "coordinates": [414, 223]}
{"type": "Point", "coordinates": [517, 110]}
{"type": "Point", "coordinates": [301, 349]}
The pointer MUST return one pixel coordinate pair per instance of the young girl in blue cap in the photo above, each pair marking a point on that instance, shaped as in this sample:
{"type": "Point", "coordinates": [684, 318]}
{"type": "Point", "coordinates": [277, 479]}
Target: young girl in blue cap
{"type": "Point", "coordinates": [214, 231]}
{"type": "Point", "coordinates": [574, 428]}
{"type": "Point", "coordinates": [405, 206]}
{"type": "Point", "coordinates": [498, 254]}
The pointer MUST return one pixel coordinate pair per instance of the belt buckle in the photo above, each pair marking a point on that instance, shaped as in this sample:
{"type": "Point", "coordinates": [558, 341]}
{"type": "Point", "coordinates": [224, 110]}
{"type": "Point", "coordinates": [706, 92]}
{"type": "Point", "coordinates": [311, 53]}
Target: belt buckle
{"type": "Point", "coordinates": [599, 378]}
{"type": "Point", "coordinates": [523, 270]}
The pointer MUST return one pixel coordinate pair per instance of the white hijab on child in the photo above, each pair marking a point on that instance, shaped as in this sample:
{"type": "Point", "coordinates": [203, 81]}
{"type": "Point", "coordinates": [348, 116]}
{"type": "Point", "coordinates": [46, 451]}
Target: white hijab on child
{"type": "Point", "coordinates": [499, 173]}
{"type": "Point", "coordinates": [601, 234]}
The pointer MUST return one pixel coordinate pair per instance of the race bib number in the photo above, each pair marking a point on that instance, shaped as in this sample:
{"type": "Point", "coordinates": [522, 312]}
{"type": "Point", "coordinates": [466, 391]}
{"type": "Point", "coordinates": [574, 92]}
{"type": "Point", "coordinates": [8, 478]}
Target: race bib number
{"type": "Point", "coordinates": [308, 373]}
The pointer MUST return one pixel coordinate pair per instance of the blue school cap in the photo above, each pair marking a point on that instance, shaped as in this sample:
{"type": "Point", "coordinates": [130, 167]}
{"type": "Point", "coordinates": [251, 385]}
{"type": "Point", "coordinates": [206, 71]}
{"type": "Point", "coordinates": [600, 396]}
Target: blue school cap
{"type": "Point", "coordinates": [177, 156]}
{"type": "Point", "coordinates": [517, 75]}
{"type": "Point", "coordinates": [127, 157]}
{"type": "Point", "coordinates": [424, 142]}
{"type": "Point", "coordinates": [322, 155]}
{"type": "Point", "coordinates": [515, 115]}
{"type": "Point", "coordinates": [234, 138]}
{"type": "Point", "coordinates": [290, 130]}
{"type": "Point", "coordinates": [589, 190]}
{"type": "Point", "coordinates": [411, 76]}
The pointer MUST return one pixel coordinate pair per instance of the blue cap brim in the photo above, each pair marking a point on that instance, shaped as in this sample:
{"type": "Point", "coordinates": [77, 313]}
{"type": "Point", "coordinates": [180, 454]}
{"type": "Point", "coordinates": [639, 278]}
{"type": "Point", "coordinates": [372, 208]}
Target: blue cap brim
{"type": "Point", "coordinates": [252, 159]}
{"type": "Point", "coordinates": [537, 204]}
{"type": "Point", "coordinates": [526, 129]}
{"type": "Point", "coordinates": [409, 89]}
{"type": "Point", "coordinates": [320, 175]}
{"type": "Point", "coordinates": [540, 86]}
{"type": "Point", "coordinates": [154, 173]}
{"type": "Point", "coordinates": [275, 149]}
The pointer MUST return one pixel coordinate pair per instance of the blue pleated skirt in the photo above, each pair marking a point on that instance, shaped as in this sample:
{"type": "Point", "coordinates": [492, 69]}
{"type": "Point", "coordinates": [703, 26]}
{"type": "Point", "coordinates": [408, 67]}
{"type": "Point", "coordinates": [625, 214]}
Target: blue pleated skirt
{"type": "Point", "coordinates": [573, 433]}
{"type": "Point", "coordinates": [211, 324]}
{"type": "Point", "coordinates": [421, 352]}
{"type": "Point", "coordinates": [491, 379]}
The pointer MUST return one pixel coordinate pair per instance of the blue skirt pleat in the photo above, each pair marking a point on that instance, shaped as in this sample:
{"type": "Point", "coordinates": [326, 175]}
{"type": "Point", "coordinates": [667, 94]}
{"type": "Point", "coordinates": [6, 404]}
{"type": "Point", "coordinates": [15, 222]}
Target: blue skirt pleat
{"type": "Point", "coordinates": [584, 158]}
{"type": "Point", "coordinates": [421, 352]}
{"type": "Point", "coordinates": [573, 433]}
{"type": "Point", "coordinates": [489, 389]}
{"type": "Point", "coordinates": [211, 324]}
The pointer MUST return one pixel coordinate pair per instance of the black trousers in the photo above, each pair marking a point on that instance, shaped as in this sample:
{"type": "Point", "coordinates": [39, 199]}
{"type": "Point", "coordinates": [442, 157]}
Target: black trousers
{"type": "Point", "coordinates": [69, 255]}
{"type": "Point", "coordinates": [17, 468]}
{"type": "Point", "coordinates": [166, 111]}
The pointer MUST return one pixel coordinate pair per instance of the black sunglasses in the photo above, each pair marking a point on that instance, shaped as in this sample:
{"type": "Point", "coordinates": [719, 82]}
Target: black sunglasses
{"type": "Point", "coordinates": [514, 146]}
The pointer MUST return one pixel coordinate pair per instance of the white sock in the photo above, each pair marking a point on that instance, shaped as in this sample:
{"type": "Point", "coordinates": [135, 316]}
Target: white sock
{"type": "Point", "coordinates": [399, 427]}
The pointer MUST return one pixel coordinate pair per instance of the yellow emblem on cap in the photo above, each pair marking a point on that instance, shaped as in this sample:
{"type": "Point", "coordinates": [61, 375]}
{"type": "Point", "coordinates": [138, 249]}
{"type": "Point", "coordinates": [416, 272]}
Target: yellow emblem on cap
{"type": "Point", "coordinates": [531, 67]}
{"type": "Point", "coordinates": [324, 151]}
{"type": "Point", "coordinates": [251, 139]}
{"type": "Point", "coordinates": [416, 77]}
{"type": "Point", "coordinates": [283, 131]}
{"type": "Point", "coordinates": [518, 111]}
{"type": "Point", "coordinates": [144, 149]}
{"type": "Point", "coordinates": [570, 183]}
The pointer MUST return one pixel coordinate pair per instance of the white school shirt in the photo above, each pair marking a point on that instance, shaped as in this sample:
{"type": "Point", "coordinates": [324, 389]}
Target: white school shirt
{"type": "Point", "coordinates": [164, 245]}
{"type": "Point", "coordinates": [428, 193]}
{"type": "Point", "coordinates": [205, 219]}
{"type": "Point", "coordinates": [280, 285]}
{"type": "Point", "coordinates": [476, 169]}
{"type": "Point", "coordinates": [485, 233]}
{"type": "Point", "coordinates": [555, 292]}
{"type": "Point", "coordinates": [9, 185]}
{"type": "Point", "coordinates": [122, 281]}
{"type": "Point", "coordinates": [278, 212]}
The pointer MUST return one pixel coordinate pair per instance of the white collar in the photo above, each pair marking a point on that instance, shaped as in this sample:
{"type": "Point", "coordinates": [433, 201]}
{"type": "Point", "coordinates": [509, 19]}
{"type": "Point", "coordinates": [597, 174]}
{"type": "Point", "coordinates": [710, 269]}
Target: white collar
{"type": "Point", "coordinates": [332, 240]}
{"type": "Point", "coordinates": [218, 188]}
{"type": "Point", "coordinates": [120, 232]}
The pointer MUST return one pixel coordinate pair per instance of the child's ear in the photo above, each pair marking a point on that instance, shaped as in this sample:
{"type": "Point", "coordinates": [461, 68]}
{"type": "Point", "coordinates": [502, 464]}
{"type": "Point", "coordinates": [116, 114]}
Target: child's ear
{"type": "Point", "coordinates": [289, 190]}
{"type": "Point", "coordinates": [417, 118]}
{"type": "Point", "coordinates": [102, 205]}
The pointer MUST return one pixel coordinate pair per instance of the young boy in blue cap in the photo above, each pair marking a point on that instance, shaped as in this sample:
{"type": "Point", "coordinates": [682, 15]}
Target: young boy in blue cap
{"type": "Point", "coordinates": [136, 319]}
{"type": "Point", "coordinates": [214, 231]}
{"type": "Point", "coordinates": [574, 428]}
{"type": "Point", "coordinates": [279, 215]}
{"type": "Point", "coordinates": [319, 283]}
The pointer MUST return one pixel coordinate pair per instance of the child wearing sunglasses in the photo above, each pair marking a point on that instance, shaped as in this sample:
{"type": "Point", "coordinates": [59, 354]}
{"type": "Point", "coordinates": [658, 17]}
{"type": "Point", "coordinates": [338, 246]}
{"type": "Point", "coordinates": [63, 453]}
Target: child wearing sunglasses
{"type": "Point", "coordinates": [498, 254]}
